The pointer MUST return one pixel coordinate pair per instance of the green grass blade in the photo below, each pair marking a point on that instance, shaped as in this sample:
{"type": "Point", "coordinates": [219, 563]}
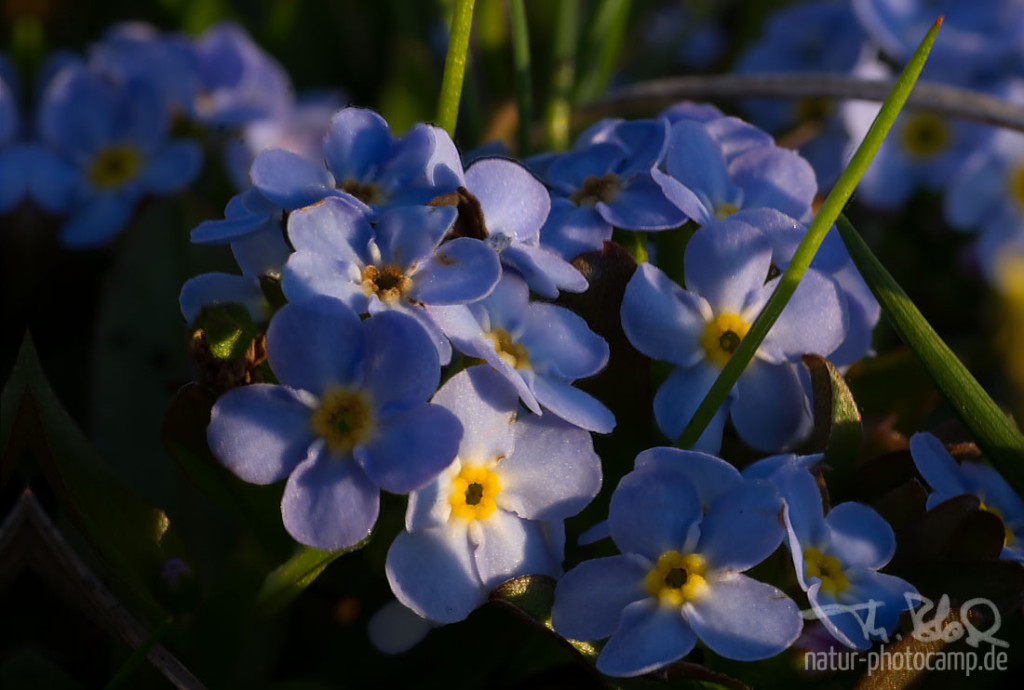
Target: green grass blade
{"type": "Point", "coordinates": [830, 210]}
{"type": "Point", "coordinates": [991, 428]}
{"type": "Point", "coordinates": [601, 48]}
{"type": "Point", "coordinates": [563, 73]}
{"type": "Point", "coordinates": [524, 83]}
{"type": "Point", "coordinates": [455, 66]}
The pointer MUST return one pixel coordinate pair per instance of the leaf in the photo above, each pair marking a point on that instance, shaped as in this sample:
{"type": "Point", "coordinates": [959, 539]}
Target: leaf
{"type": "Point", "coordinates": [993, 431]}
{"type": "Point", "coordinates": [836, 421]}
{"type": "Point", "coordinates": [289, 579]}
{"type": "Point", "coordinates": [805, 251]}
{"type": "Point", "coordinates": [228, 330]}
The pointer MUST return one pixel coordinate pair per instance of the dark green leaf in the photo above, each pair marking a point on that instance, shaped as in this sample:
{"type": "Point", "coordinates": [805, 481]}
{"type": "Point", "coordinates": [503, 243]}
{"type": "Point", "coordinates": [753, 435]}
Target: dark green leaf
{"type": "Point", "coordinates": [837, 423]}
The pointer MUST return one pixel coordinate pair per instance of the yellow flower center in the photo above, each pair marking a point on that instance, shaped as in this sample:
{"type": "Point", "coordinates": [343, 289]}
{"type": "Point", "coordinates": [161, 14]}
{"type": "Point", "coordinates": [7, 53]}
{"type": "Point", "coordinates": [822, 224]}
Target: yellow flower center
{"type": "Point", "coordinates": [723, 211]}
{"type": "Point", "coordinates": [387, 282]}
{"type": "Point", "coordinates": [114, 166]}
{"type": "Point", "coordinates": [1007, 534]}
{"type": "Point", "coordinates": [722, 336]}
{"type": "Point", "coordinates": [925, 135]}
{"type": "Point", "coordinates": [827, 568]}
{"type": "Point", "coordinates": [595, 189]}
{"type": "Point", "coordinates": [344, 419]}
{"type": "Point", "coordinates": [473, 492]}
{"type": "Point", "coordinates": [677, 579]}
{"type": "Point", "coordinates": [513, 353]}
{"type": "Point", "coordinates": [1017, 186]}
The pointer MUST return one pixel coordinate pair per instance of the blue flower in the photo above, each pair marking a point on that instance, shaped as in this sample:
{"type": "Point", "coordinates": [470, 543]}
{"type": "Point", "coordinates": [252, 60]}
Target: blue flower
{"type": "Point", "coordinates": [727, 268]}
{"type": "Point", "coordinates": [948, 480]}
{"type": "Point", "coordinates": [111, 141]}
{"type": "Point", "coordinates": [349, 420]}
{"type": "Point", "coordinates": [714, 169]}
{"type": "Point", "coordinates": [605, 182]}
{"type": "Point", "coordinates": [399, 265]}
{"type": "Point", "coordinates": [837, 557]}
{"type": "Point", "coordinates": [687, 525]}
{"type": "Point", "coordinates": [539, 348]}
{"type": "Point", "coordinates": [496, 512]}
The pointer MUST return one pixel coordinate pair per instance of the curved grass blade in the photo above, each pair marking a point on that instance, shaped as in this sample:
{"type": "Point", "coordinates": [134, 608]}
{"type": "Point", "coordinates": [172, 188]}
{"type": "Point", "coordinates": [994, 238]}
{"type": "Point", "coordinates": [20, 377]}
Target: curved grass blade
{"type": "Point", "coordinates": [830, 210]}
{"type": "Point", "coordinates": [289, 579]}
{"type": "Point", "coordinates": [990, 427]}
{"type": "Point", "coordinates": [524, 85]}
{"type": "Point", "coordinates": [455, 66]}
{"type": "Point", "coordinates": [563, 73]}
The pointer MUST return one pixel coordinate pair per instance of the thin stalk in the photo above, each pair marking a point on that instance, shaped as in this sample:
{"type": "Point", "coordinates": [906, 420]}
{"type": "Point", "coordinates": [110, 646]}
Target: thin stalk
{"type": "Point", "coordinates": [455, 66]}
{"type": "Point", "coordinates": [524, 86]}
{"type": "Point", "coordinates": [830, 210]}
{"type": "Point", "coordinates": [558, 111]}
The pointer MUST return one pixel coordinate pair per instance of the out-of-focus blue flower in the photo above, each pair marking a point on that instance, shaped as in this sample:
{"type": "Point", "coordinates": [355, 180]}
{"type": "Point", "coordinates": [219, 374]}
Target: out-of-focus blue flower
{"type": "Point", "coordinates": [349, 420]}
{"type": "Point", "coordinates": [237, 80]}
{"type": "Point", "coordinates": [605, 182]}
{"type": "Point", "coordinates": [109, 149]}
{"type": "Point", "coordinates": [978, 39]}
{"type": "Point", "coordinates": [12, 153]}
{"type": "Point", "coordinates": [496, 512]}
{"type": "Point", "coordinates": [136, 51]}
{"type": "Point", "coordinates": [539, 348]}
{"type": "Point", "coordinates": [948, 480]}
{"type": "Point", "coordinates": [399, 265]}
{"type": "Point", "coordinates": [510, 208]}
{"type": "Point", "coordinates": [837, 557]}
{"type": "Point", "coordinates": [714, 169]}
{"type": "Point", "coordinates": [688, 525]}
{"type": "Point", "coordinates": [727, 267]}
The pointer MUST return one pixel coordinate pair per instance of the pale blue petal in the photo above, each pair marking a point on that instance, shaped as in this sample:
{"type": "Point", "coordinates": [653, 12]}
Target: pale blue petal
{"type": "Point", "coordinates": [509, 547]}
{"type": "Point", "coordinates": [571, 230]}
{"type": "Point", "coordinates": [741, 618]}
{"type": "Point", "coordinates": [814, 320]}
{"type": "Point", "coordinates": [641, 205]}
{"type": "Point", "coordinates": [260, 432]}
{"type": "Point", "coordinates": [773, 177]}
{"type": "Point", "coordinates": [711, 476]}
{"type": "Point", "coordinates": [769, 406]}
{"type": "Point", "coordinates": [307, 274]}
{"type": "Point", "coordinates": [804, 512]}
{"type": "Point", "coordinates": [860, 537]}
{"type": "Point", "coordinates": [174, 166]}
{"type": "Point", "coordinates": [52, 182]}
{"type": "Point", "coordinates": [742, 527]}
{"type": "Point", "coordinates": [401, 366]}
{"type": "Point", "coordinates": [544, 271]}
{"type": "Point", "coordinates": [332, 227]}
{"type": "Point", "coordinates": [329, 503]}
{"type": "Point", "coordinates": [660, 319]}
{"type": "Point", "coordinates": [460, 271]}
{"type": "Point", "coordinates": [97, 221]}
{"type": "Point", "coordinates": [409, 449]}
{"type": "Point", "coordinates": [649, 636]}
{"type": "Point", "coordinates": [996, 492]}
{"type": "Point", "coordinates": [358, 140]}
{"type": "Point", "coordinates": [589, 599]}
{"type": "Point", "coordinates": [315, 344]}
{"type": "Point", "coordinates": [513, 202]}
{"type": "Point", "coordinates": [221, 288]}
{"type": "Point", "coordinates": [938, 467]}
{"type": "Point", "coordinates": [692, 206]}
{"type": "Point", "coordinates": [678, 398]}
{"type": "Point", "coordinates": [561, 344]}
{"type": "Point", "coordinates": [289, 180]}
{"type": "Point", "coordinates": [727, 264]}
{"type": "Point", "coordinates": [408, 234]}
{"type": "Point", "coordinates": [262, 253]}
{"type": "Point", "coordinates": [568, 171]}
{"type": "Point", "coordinates": [653, 511]}
{"type": "Point", "coordinates": [696, 161]}
{"type": "Point", "coordinates": [486, 405]}
{"type": "Point", "coordinates": [573, 405]}
{"type": "Point", "coordinates": [227, 229]}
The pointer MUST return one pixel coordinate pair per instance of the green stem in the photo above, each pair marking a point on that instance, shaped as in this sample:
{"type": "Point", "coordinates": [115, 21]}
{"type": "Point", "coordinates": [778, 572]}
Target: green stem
{"type": "Point", "coordinates": [830, 210]}
{"type": "Point", "coordinates": [995, 434]}
{"type": "Point", "coordinates": [556, 116]}
{"type": "Point", "coordinates": [601, 49]}
{"type": "Point", "coordinates": [524, 87]}
{"type": "Point", "coordinates": [455, 66]}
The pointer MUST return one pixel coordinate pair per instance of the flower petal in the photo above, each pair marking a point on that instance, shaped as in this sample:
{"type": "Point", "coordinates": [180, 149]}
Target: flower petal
{"type": "Point", "coordinates": [726, 263]}
{"type": "Point", "coordinates": [358, 141]}
{"type": "Point", "coordinates": [513, 202]}
{"type": "Point", "coordinates": [653, 510]}
{"type": "Point", "coordinates": [97, 221]}
{"type": "Point", "coordinates": [561, 343]}
{"type": "Point", "coordinates": [860, 537]}
{"type": "Point", "coordinates": [174, 166]}
{"type": "Point", "coordinates": [486, 405]}
{"type": "Point", "coordinates": [573, 405]}
{"type": "Point", "coordinates": [649, 636]}
{"type": "Point", "coordinates": [408, 235]}
{"type": "Point", "coordinates": [589, 599]}
{"type": "Point", "coordinates": [814, 320]}
{"type": "Point", "coordinates": [329, 503]}
{"type": "Point", "coordinates": [332, 227]}
{"type": "Point", "coordinates": [661, 319]}
{"type": "Point", "coordinates": [711, 476]}
{"type": "Point", "coordinates": [678, 399]}
{"type": "Point", "coordinates": [774, 177]}
{"type": "Point", "coordinates": [543, 270]}
{"type": "Point", "coordinates": [308, 274]}
{"type": "Point", "coordinates": [938, 467]}
{"type": "Point", "coordinates": [509, 547]}
{"type": "Point", "coordinates": [641, 205]}
{"type": "Point", "coordinates": [770, 406]}
{"type": "Point", "coordinates": [409, 449]}
{"type": "Point", "coordinates": [289, 180]}
{"type": "Point", "coordinates": [461, 271]}
{"type": "Point", "coordinates": [742, 527]}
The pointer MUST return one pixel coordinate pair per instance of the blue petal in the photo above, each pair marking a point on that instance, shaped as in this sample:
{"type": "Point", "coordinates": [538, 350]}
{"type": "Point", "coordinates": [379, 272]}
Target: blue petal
{"type": "Point", "coordinates": [174, 166]}
{"type": "Point", "coordinates": [804, 512]}
{"type": "Point", "coordinates": [645, 140]}
{"type": "Point", "coordinates": [329, 503]}
{"type": "Point", "coordinates": [743, 527]}
{"type": "Point", "coordinates": [509, 547]}
{"type": "Point", "coordinates": [938, 467]}
{"type": "Point", "coordinates": [513, 202]}
{"type": "Point", "coordinates": [649, 636]}
{"type": "Point", "coordinates": [227, 230]}
{"type": "Point", "coordinates": [573, 405]}
{"type": "Point", "coordinates": [653, 511]}
{"type": "Point", "coordinates": [661, 319]}
{"type": "Point", "coordinates": [741, 618]}
{"type": "Point", "coordinates": [727, 263]}
{"type": "Point", "coordinates": [260, 432]}
{"type": "Point", "coordinates": [332, 227]}
{"type": "Point", "coordinates": [770, 405]}
{"type": "Point", "coordinates": [401, 366]}
{"type": "Point", "coordinates": [734, 136]}
{"type": "Point", "coordinates": [429, 507]}
{"type": "Point", "coordinates": [97, 221]}
{"type": "Point", "coordinates": [356, 144]}
{"type": "Point", "coordinates": [395, 629]}
{"type": "Point", "coordinates": [544, 271]}
{"type": "Point", "coordinates": [765, 468]}
{"type": "Point", "coordinates": [486, 405]}
{"type": "Point", "coordinates": [426, 321]}
{"type": "Point", "coordinates": [641, 205]}
{"type": "Point", "coordinates": [507, 305]}
{"type": "Point", "coordinates": [552, 474]}
{"type": "Point", "coordinates": [410, 448]}
{"type": "Point", "coordinates": [711, 476]}
{"type": "Point", "coordinates": [262, 253]}
{"type": "Point", "coordinates": [51, 181]}
{"type": "Point", "coordinates": [408, 234]}
{"type": "Point", "coordinates": [460, 271]}
{"type": "Point", "coordinates": [568, 171]}
{"type": "Point", "coordinates": [686, 200]}
{"type": "Point", "coordinates": [814, 320]}
{"type": "Point", "coordinates": [695, 160]}
{"type": "Point", "coordinates": [571, 230]}
{"type": "Point", "coordinates": [774, 177]}
{"type": "Point", "coordinates": [678, 398]}
{"type": "Point", "coordinates": [432, 572]}
{"type": "Point", "coordinates": [289, 180]}
{"type": "Point", "coordinates": [996, 492]}
{"type": "Point", "coordinates": [561, 344]}
{"type": "Point", "coordinates": [860, 537]}
{"type": "Point", "coordinates": [589, 599]}
{"type": "Point", "coordinates": [307, 274]}
{"type": "Point", "coordinates": [316, 343]}
{"type": "Point", "coordinates": [221, 288]}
